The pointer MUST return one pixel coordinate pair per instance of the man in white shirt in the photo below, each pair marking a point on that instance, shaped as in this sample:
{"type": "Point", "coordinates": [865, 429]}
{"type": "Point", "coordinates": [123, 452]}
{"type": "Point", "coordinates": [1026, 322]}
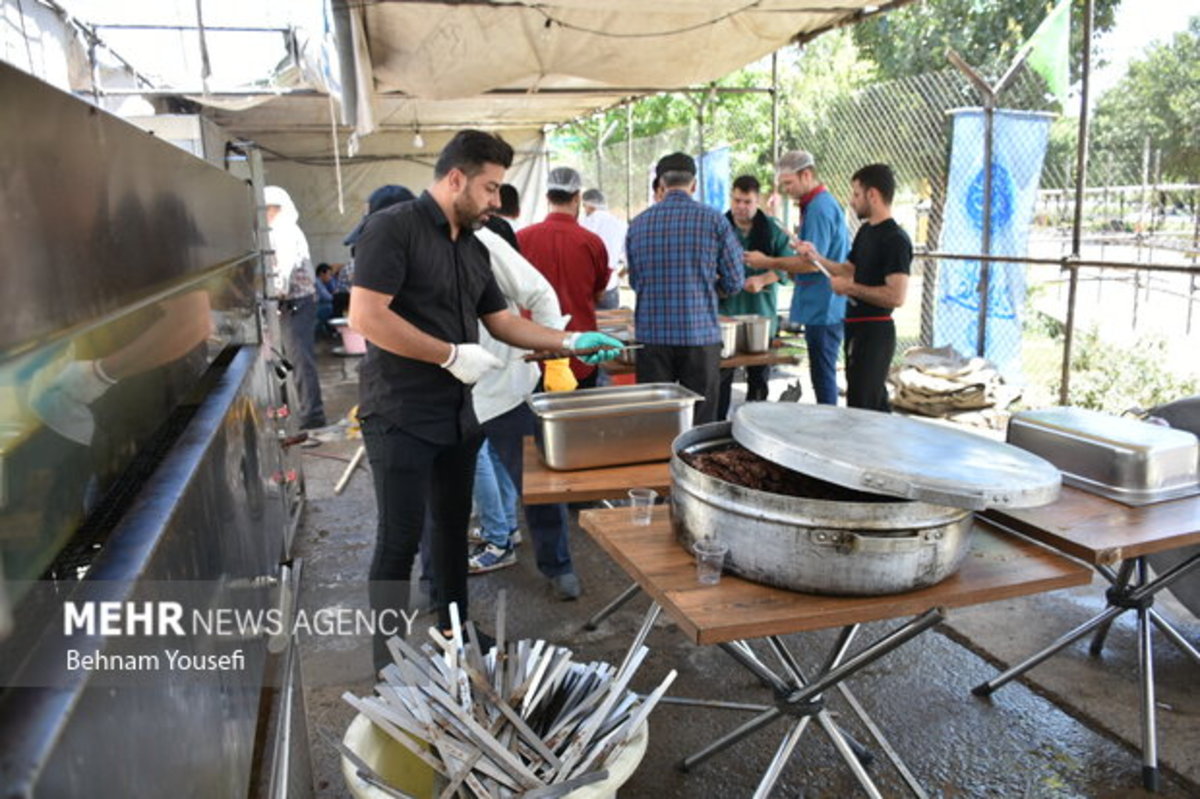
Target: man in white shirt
{"type": "Point", "coordinates": [612, 230]}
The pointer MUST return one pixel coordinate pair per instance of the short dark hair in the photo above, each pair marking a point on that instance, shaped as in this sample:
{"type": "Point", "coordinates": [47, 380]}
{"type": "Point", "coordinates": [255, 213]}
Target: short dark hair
{"type": "Point", "coordinates": [469, 150]}
{"type": "Point", "coordinates": [510, 200]}
{"type": "Point", "coordinates": [675, 179]}
{"type": "Point", "coordinates": [748, 184]}
{"type": "Point", "coordinates": [879, 177]}
{"type": "Point", "coordinates": [322, 268]}
{"type": "Point", "coordinates": [560, 197]}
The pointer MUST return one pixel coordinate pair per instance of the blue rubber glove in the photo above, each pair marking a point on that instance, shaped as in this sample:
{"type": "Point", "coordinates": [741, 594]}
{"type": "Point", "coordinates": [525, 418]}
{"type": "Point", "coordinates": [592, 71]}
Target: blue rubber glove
{"type": "Point", "coordinates": [583, 341]}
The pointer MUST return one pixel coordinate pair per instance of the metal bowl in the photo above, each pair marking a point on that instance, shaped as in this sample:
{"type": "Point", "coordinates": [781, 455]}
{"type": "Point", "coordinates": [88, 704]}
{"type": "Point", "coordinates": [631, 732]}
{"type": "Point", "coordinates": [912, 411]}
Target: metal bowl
{"type": "Point", "coordinates": [813, 545]}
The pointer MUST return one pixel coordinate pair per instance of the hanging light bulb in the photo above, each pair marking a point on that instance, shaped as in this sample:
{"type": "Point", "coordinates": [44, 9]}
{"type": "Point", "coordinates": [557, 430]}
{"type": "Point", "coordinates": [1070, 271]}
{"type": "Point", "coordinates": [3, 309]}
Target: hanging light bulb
{"type": "Point", "coordinates": [418, 140]}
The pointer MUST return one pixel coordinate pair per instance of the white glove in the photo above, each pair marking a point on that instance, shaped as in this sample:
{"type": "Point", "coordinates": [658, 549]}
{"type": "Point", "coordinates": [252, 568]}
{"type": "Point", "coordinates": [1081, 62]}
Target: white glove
{"type": "Point", "coordinates": [62, 400]}
{"type": "Point", "coordinates": [469, 362]}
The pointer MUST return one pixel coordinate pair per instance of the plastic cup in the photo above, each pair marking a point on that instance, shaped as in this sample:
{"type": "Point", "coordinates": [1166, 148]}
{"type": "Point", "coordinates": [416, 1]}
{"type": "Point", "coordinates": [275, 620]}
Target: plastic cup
{"type": "Point", "coordinates": [710, 560]}
{"type": "Point", "coordinates": [641, 505]}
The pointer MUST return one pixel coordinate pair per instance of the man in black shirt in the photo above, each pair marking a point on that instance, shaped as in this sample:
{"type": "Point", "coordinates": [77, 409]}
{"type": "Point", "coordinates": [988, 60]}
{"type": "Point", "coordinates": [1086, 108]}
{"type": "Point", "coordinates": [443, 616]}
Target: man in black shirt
{"type": "Point", "coordinates": [423, 283]}
{"type": "Point", "coordinates": [875, 279]}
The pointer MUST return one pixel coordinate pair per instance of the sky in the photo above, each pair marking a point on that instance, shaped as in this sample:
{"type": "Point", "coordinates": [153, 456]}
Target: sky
{"type": "Point", "coordinates": [1139, 23]}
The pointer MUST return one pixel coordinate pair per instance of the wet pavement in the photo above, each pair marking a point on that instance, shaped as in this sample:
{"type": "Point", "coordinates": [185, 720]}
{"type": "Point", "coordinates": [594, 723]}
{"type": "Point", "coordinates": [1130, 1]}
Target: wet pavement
{"type": "Point", "coordinates": [1068, 729]}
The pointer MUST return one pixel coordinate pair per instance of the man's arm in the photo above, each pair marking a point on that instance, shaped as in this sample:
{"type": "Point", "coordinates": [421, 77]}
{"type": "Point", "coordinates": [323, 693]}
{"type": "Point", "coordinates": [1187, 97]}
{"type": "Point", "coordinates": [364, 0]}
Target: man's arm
{"type": "Point", "coordinates": [890, 295]}
{"type": "Point", "coordinates": [807, 251]}
{"type": "Point", "coordinates": [371, 316]}
{"type": "Point", "coordinates": [520, 332]}
{"type": "Point", "coordinates": [795, 264]}
{"type": "Point", "coordinates": [756, 283]}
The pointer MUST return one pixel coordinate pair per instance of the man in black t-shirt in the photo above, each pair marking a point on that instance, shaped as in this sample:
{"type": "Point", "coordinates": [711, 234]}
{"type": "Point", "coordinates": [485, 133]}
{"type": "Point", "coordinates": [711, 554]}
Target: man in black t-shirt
{"type": "Point", "coordinates": [875, 279]}
{"type": "Point", "coordinates": [423, 284]}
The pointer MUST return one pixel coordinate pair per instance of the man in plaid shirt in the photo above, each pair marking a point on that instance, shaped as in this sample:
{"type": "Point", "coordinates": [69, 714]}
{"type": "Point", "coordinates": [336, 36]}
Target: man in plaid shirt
{"type": "Point", "coordinates": [682, 256]}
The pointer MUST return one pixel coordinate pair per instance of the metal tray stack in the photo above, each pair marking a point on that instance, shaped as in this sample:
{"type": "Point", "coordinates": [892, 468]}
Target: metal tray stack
{"type": "Point", "coordinates": [611, 426]}
{"type": "Point", "coordinates": [1128, 460]}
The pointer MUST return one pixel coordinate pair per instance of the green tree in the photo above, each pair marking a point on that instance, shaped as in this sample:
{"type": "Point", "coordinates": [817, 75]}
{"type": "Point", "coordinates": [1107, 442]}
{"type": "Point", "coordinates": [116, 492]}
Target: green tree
{"type": "Point", "coordinates": [987, 33]}
{"type": "Point", "coordinates": [1159, 97]}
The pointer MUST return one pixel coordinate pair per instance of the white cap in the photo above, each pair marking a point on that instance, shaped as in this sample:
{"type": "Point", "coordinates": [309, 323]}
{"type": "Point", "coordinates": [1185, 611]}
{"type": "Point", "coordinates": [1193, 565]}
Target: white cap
{"type": "Point", "coordinates": [563, 178]}
{"type": "Point", "coordinates": [795, 161]}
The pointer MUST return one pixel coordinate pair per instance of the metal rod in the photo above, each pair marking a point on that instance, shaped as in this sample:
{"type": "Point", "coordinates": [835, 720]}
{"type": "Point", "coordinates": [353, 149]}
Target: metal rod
{"type": "Point", "coordinates": [888, 750]}
{"type": "Point", "coordinates": [1081, 163]}
{"type": "Point", "coordinates": [986, 688]}
{"type": "Point", "coordinates": [612, 607]}
{"type": "Point", "coordinates": [782, 755]}
{"type": "Point", "coordinates": [640, 638]}
{"type": "Point", "coordinates": [730, 738]}
{"type": "Point", "coordinates": [881, 647]}
{"type": "Point", "coordinates": [1146, 669]}
{"type": "Point", "coordinates": [755, 666]}
{"type": "Point", "coordinates": [1165, 579]}
{"type": "Point", "coordinates": [985, 242]}
{"type": "Point", "coordinates": [715, 704]}
{"type": "Point", "coordinates": [848, 755]}
{"type": "Point", "coordinates": [774, 108]}
{"type": "Point", "coordinates": [1173, 636]}
{"type": "Point", "coordinates": [1064, 263]}
{"type": "Point", "coordinates": [845, 636]}
{"type": "Point", "coordinates": [628, 166]}
{"type": "Point", "coordinates": [1120, 580]}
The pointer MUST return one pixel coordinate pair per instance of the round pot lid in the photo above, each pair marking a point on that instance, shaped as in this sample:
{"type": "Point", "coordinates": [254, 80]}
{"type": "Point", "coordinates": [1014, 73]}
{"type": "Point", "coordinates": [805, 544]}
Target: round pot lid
{"type": "Point", "coordinates": [896, 455]}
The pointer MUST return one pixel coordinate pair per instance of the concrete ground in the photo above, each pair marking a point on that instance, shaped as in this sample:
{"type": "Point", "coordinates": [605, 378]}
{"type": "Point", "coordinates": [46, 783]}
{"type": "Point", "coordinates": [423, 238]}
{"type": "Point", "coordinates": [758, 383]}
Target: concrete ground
{"type": "Point", "coordinates": [1068, 729]}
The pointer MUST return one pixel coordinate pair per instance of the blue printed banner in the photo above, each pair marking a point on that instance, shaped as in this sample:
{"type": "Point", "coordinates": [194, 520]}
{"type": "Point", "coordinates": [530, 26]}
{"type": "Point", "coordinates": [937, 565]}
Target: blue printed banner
{"type": "Point", "coordinates": [714, 171]}
{"type": "Point", "coordinates": [1018, 147]}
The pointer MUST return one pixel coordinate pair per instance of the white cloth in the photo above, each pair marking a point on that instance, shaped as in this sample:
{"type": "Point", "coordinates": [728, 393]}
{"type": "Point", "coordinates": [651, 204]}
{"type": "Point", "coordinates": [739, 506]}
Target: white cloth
{"type": "Point", "coordinates": [612, 231]}
{"type": "Point", "coordinates": [290, 270]}
{"type": "Point", "coordinates": [501, 390]}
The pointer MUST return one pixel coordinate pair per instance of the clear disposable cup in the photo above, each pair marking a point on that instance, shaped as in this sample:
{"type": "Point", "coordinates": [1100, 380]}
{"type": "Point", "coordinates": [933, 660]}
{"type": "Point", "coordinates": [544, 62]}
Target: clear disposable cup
{"type": "Point", "coordinates": [641, 504]}
{"type": "Point", "coordinates": [710, 560]}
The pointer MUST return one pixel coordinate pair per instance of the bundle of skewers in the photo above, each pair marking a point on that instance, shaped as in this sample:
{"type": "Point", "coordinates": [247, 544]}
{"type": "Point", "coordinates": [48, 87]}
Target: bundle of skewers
{"type": "Point", "coordinates": [554, 355]}
{"type": "Point", "coordinates": [521, 719]}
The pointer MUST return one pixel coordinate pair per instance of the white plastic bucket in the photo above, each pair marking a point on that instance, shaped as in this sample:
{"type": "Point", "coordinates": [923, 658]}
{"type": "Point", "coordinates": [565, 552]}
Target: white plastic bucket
{"type": "Point", "coordinates": [405, 771]}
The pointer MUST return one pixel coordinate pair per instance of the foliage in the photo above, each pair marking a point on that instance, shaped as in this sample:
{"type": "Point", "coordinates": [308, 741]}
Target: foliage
{"type": "Point", "coordinates": [1159, 97]}
{"type": "Point", "coordinates": [1114, 378]}
{"type": "Point", "coordinates": [987, 33]}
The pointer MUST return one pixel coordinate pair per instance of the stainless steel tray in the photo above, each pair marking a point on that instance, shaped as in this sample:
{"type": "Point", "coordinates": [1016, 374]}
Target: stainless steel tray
{"type": "Point", "coordinates": [611, 426]}
{"type": "Point", "coordinates": [1131, 461]}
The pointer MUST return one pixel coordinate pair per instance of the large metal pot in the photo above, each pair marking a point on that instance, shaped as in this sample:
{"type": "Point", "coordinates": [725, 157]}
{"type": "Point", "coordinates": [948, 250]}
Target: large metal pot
{"type": "Point", "coordinates": [812, 545]}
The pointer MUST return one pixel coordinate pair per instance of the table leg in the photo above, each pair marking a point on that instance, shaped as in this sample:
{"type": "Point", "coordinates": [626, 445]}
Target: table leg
{"type": "Point", "coordinates": [1119, 582]}
{"type": "Point", "coordinates": [994, 684]}
{"type": "Point", "coordinates": [640, 638]}
{"type": "Point", "coordinates": [883, 742]}
{"type": "Point", "coordinates": [1146, 669]}
{"type": "Point", "coordinates": [730, 738]}
{"type": "Point", "coordinates": [848, 754]}
{"type": "Point", "coordinates": [782, 755]}
{"type": "Point", "coordinates": [1173, 635]}
{"type": "Point", "coordinates": [612, 607]}
{"type": "Point", "coordinates": [743, 654]}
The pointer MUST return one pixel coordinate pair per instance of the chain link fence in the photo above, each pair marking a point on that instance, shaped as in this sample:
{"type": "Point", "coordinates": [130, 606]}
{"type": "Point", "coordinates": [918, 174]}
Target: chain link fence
{"type": "Point", "coordinates": [1125, 316]}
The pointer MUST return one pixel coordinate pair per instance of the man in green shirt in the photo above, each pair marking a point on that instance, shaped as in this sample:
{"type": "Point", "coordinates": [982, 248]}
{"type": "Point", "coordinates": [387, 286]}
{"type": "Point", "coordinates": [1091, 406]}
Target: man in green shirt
{"type": "Point", "coordinates": [759, 234]}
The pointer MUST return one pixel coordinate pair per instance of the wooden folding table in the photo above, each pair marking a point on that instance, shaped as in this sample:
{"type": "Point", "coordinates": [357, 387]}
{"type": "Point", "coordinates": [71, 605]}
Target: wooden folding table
{"type": "Point", "coordinates": [1115, 539]}
{"type": "Point", "coordinates": [732, 613]}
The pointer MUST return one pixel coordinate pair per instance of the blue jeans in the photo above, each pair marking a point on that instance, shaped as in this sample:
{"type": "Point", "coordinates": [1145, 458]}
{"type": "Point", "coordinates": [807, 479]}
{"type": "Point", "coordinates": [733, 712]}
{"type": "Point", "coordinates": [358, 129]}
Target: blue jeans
{"type": "Point", "coordinates": [824, 342]}
{"type": "Point", "coordinates": [496, 497]}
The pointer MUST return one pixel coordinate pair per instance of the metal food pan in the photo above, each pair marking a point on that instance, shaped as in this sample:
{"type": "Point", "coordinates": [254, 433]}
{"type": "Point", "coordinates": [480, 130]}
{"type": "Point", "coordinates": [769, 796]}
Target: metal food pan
{"type": "Point", "coordinates": [611, 426]}
{"type": "Point", "coordinates": [1133, 462]}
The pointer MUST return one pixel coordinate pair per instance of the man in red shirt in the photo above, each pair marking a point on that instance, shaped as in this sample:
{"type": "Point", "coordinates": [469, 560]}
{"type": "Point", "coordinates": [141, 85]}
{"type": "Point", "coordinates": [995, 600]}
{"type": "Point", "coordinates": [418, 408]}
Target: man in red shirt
{"type": "Point", "coordinates": [572, 258]}
{"type": "Point", "coordinates": [575, 263]}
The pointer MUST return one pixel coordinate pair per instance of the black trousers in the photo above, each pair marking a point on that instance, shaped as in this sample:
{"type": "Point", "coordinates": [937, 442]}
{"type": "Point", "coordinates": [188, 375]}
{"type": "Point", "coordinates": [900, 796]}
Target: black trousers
{"type": "Point", "coordinates": [697, 368]}
{"type": "Point", "coordinates": [869, 350]}
{"type": "Point", "coordinates": [757, 388]}
{"type": "Point", "coordinates": [411, 475]}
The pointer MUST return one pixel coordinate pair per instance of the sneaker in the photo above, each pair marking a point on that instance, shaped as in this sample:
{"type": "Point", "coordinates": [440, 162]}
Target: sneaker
{"type": "Point", "coordinates": [566, 586]}
{"type": "Point", "coordinates": [514, 537]}
{"type": "Point", "coordinates": [490, 557]}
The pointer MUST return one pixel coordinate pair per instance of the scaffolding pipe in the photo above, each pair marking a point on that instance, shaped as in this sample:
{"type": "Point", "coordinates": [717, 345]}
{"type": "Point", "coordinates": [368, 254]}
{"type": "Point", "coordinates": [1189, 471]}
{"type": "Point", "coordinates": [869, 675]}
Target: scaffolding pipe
{"type": "Point", "coordinates": [1081, 161]}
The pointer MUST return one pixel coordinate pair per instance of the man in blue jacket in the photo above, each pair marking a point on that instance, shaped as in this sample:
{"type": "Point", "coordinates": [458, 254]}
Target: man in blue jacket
{"type": "Point", "coordinates": [814, 304]}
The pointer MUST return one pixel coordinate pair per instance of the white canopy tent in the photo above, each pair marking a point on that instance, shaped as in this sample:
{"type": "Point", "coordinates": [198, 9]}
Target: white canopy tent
{"type": "Point", "coordinates": [357, 93]}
